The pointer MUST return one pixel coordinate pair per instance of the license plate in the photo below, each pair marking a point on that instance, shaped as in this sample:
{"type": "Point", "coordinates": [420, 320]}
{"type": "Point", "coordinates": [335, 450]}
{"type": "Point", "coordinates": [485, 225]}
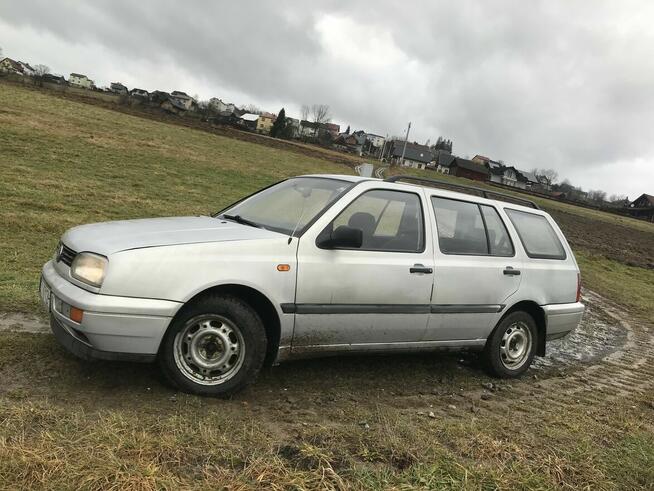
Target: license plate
{"type": "Point", "coordinates": [45, 294]}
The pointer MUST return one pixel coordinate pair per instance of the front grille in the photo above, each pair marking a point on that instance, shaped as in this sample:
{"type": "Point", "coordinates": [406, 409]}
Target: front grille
{"type": "Point", "coordinates": [66, 254]}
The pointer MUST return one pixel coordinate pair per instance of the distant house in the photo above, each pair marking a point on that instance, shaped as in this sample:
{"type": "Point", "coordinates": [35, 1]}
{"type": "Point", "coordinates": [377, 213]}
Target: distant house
{"type": "Point", "coordinates": [220, 106]}
{"type": "Point", "coordinates": [332, 128]}
{"type": "Point", "coordinates": [249, 121]}
{"type": "Point", "coordinates": [265, 122]}
{"type": "Point", "coordinates": [489, 163]}
{"type": "Point", "coordinates": [507, 175]}
{"type": "Point", "coordinates": [79, 80]}
{"type": "Point", "coordinates": [415, 155]}
{"type": "Point", "coordinates": [173, 106]}
{"type": "Point", "coordinates": [8, 65]}
{"type": "Point", "coordinates": [159, 96]}
{"type": "Point", "coordinates": [349, 143]}
{"type": "Point", "coordinates": [529, 178]}
{"type": "Point", "coordinates": [140, 93]}
{"type": "Point", "coordinates": [642, 207]}
{"type": "Point", "coordinates": [184, 98]}
{"type": "Point", "coordinates": [442, 161]}
{"type": "Point", "coordinates": [468, 169]}
{"type": "Point", "coordinates": [118, 88]}
{"type": "Point", "coordinates": [308, 129]}
{"type": "Point", "coordinates": [53, 79]}
{"type": "Point", "coordinates": [375, 140]}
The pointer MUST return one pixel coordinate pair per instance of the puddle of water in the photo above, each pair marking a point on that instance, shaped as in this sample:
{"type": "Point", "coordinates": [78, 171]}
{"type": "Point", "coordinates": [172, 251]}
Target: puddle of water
{"type": "Point", "coordinates": [14, 322]}
{"type": "Point", "coordinates": [596, 336]}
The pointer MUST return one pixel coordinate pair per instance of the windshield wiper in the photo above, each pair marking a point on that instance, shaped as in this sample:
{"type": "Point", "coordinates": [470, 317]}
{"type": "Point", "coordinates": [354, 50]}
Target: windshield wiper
{"type": "Point", "coordinates": [240, 219]}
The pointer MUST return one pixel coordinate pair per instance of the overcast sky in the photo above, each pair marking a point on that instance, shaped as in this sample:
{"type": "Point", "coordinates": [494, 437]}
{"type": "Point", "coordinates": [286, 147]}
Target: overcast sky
{"type": "Point", "coordinates": [558, 84]}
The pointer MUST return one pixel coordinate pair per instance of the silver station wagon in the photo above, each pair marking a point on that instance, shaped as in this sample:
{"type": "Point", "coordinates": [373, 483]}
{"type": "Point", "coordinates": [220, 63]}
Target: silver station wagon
{"type": "Point", "coordinates": [317, 265]}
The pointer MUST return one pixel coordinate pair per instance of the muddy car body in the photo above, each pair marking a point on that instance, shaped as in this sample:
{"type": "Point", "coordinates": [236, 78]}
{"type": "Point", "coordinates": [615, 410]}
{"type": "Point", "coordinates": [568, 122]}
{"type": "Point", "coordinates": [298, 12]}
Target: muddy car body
{"type": "Point", "coordinates": [311, 266]}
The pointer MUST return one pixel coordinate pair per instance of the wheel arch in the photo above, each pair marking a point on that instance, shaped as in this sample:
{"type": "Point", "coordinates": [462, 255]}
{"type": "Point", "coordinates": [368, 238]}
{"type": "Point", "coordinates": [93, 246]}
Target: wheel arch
{"type": "Point", "coordinates": [538, 314]}
{"type": "Point", "coordinates": [255, 299]}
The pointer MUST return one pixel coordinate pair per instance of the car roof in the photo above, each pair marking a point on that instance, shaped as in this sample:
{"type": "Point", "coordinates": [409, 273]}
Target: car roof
{"type": "Point", "coordinates": [446, 193]}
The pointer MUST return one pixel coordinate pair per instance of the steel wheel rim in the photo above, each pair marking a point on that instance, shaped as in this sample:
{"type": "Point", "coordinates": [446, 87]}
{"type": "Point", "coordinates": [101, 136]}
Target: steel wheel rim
{"type": "Point", "coordinates": [515, 345]}
{"type": "Point", "coordinates": [209, 349]}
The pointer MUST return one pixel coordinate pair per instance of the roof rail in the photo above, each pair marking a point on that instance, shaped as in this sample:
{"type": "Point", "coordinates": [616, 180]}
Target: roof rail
{"type": "Point", "coordinates": [484, 193]}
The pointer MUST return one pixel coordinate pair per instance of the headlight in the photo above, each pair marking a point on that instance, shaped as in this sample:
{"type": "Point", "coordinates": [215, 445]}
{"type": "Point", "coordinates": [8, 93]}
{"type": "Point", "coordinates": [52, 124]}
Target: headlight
{"type": "Point", "coordinates": [89, 268]}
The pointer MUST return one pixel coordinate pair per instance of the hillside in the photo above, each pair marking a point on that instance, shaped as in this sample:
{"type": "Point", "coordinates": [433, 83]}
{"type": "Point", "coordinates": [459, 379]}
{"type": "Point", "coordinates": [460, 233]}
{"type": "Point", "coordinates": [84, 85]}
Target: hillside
{"type": "Point", "coordinates": [580, 419]}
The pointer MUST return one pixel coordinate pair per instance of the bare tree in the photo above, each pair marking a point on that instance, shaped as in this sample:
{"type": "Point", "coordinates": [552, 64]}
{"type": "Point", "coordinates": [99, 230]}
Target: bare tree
{"type": "Point", "coordinates": [597, 195]}
{"type": "Point", "coordinates": [549, 175]}
{"type": "Point", "coordinates": [304, 112]}
{"type": "Point", "coordinates": [614, 198]}
{"type": "Point", "coordinates": [40, 70]}
{"type": "Point", "coordinates": [250, 108]}
{"type": "Point", "coordinates": [320, 113]}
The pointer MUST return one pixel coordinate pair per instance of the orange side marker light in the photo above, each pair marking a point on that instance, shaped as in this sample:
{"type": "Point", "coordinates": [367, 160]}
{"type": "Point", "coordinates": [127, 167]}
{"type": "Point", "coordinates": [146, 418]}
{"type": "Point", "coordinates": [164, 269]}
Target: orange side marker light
{"type": "Point", "coordinates": [76, 314]}
{"type": "Point", "coordinates": [283, 267]}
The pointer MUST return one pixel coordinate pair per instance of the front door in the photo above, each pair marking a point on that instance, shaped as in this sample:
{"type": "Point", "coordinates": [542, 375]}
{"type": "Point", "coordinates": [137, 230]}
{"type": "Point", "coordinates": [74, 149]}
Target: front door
{"type": "Point", "coordinates": [380, 293]}
{"type": "Point", "coordinates": [476, 270]}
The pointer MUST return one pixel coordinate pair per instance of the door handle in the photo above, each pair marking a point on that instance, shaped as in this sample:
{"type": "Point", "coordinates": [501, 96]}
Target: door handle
{"type": "Point", "coordinates": [419, 268]}
{"type": "Point", "coordinates": [511, 272]}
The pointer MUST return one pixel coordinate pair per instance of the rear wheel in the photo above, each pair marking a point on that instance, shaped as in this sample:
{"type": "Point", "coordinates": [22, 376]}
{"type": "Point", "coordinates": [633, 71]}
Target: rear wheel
{"type": "Point", "coordinates": [216, 346]}
{"type": "Point", "coordinates": [511, 347]}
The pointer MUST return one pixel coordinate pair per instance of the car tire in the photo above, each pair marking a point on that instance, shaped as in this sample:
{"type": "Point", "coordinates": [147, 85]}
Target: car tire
{"type": "Point", "coordinates": [215, 346]}
{"type": "Point", "coordinates": [511, 347]}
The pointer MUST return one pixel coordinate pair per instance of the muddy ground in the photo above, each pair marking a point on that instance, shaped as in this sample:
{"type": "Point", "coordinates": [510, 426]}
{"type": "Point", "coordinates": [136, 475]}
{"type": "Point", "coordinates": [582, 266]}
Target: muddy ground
{"type": "Point", "coordinates": [290, 389]}
{"type": "Point", "coordinates": [627, 245]}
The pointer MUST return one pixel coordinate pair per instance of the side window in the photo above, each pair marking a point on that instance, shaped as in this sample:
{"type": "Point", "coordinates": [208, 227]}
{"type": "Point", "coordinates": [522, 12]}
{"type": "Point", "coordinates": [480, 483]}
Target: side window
{"type": "Point", "coordinates": [498, 238]}
{"type": "Point", "coordinates": [470, 228]}
{"type": "Point", "coordinates": [537, 235]}
{"type": "Point", "coordinates": [460, 227]}
{"type": "Point", "coordinates": [390, 221]}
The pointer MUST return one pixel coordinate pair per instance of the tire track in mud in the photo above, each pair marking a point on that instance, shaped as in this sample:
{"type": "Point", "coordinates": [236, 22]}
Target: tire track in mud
{"type": "Point", "coordinates": [622, 373]}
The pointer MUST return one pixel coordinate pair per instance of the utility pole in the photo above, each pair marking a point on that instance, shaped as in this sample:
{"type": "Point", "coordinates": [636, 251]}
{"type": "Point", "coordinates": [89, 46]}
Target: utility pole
{"type": "Point", "coordinates": [406, 138]}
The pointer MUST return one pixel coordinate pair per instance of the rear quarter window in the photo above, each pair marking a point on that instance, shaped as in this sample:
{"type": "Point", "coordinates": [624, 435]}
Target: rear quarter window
{"type": "Point", "coordinates": [537, 235]}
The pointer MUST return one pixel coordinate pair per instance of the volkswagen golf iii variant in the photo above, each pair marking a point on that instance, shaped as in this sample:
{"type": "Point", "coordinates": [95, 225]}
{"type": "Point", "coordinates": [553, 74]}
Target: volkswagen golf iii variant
{"type": "Point", "coordinates": [316, 265]}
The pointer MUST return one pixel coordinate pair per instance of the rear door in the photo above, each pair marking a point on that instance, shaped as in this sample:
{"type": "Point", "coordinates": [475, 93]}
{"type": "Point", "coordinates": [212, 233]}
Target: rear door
{"type": "Point", "coordinates": [476, 268]}
{"type": "Point", "coordinates": [549, 274]}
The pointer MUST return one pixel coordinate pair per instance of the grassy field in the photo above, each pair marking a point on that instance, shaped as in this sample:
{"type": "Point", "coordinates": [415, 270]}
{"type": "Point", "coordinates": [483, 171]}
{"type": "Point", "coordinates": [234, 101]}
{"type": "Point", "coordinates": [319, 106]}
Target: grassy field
{"type": "Point", "coordinates": [352, 423]}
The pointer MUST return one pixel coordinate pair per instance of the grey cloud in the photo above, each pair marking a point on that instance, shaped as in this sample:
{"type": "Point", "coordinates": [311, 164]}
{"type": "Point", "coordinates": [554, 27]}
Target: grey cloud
{"type": "Point", "coordinates": [563, 84]}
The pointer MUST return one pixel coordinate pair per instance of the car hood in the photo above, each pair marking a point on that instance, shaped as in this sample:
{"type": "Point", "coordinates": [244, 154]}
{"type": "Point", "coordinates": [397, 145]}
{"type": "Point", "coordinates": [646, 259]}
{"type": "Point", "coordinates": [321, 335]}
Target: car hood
{"type": "Point", "coordinates": [108, 237]}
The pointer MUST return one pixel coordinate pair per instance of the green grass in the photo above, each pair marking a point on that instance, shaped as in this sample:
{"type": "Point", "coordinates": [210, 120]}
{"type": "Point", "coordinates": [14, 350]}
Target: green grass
{"type": "Point", "coordinates": [66, 163]}
{"type": "Point", "coordinates": [626, 285]}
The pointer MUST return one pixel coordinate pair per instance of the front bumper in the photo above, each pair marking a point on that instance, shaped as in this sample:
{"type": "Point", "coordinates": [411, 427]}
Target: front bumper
{"type": "Point", "coordinates": [561, 319]}
{"type": "Point", "coordinates": [112, 327]}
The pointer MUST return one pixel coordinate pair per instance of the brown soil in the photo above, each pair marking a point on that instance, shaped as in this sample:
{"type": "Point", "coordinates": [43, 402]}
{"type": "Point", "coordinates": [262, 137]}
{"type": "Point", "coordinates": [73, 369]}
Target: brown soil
{"type": "Point", "coordinates": [624, 244]}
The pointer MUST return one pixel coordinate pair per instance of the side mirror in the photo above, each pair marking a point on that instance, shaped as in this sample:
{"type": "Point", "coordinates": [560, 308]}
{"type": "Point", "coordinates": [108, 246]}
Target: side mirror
{"type": "Point", "coordinates": [342, 237]}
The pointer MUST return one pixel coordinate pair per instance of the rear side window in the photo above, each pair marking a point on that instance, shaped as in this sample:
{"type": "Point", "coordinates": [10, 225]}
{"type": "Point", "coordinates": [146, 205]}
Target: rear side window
{"type": "Point", "coordinates": [469, 228]}
{"type": "Point", "coordinates": [537, 235]}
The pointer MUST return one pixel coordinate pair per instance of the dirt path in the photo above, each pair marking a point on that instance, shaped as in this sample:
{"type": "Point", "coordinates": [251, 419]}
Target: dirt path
{"type": "Point", "coordinates": [609, 355]}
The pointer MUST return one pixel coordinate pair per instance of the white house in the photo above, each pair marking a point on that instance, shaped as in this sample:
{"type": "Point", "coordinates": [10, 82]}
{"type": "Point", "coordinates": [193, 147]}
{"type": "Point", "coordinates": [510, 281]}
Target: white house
{"type": "Point", "coordinates": [8, 65]}
{"type": "Point", "coordinates": [220, 106]}
{"type": "Point", "coordinates": [375, 140]}
{"type": "Point", "coordinates": [142, 93]}
{"type": "Point", "coordinates": [118, 88]}
{"type": "Point", "coordinates": [79, 80]}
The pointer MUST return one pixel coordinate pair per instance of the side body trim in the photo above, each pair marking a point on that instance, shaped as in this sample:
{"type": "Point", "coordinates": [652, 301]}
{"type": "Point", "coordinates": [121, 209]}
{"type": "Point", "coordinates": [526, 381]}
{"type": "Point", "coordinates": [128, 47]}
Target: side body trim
{"type": "Point", "coordinates": [319, 308]}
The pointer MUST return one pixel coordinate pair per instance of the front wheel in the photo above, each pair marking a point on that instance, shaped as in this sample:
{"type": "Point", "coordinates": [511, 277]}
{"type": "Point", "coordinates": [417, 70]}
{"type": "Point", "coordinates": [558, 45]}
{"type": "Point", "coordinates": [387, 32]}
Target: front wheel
{"type": "Point", "coordinates": [511, 347]}
{"type": "Point", "coordinates": [215, 346]}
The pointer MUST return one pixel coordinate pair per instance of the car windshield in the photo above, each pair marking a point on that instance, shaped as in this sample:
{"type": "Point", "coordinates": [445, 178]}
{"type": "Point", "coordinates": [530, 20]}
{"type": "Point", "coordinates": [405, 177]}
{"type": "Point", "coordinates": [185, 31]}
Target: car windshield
{"type": "Point", "coordinates": [288, 206]}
